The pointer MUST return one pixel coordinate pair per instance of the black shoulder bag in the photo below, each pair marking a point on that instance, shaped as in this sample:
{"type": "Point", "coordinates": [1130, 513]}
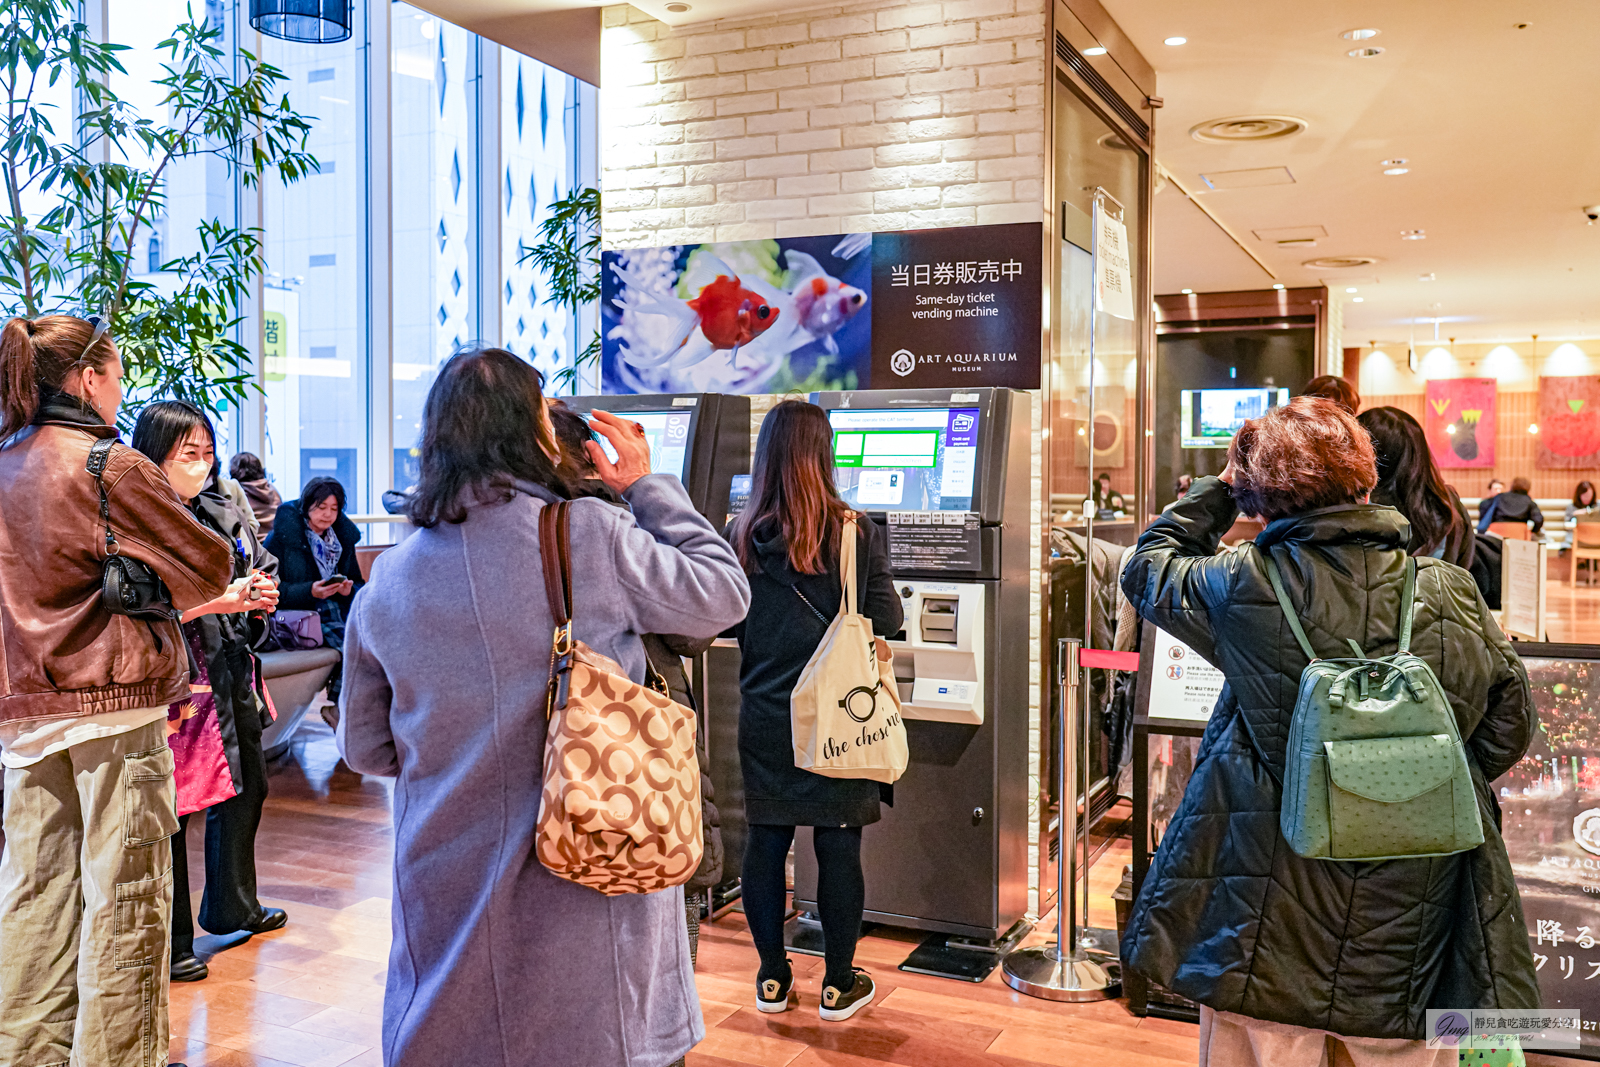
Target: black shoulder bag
{"type": "Point", "coordinates": [127, 586]}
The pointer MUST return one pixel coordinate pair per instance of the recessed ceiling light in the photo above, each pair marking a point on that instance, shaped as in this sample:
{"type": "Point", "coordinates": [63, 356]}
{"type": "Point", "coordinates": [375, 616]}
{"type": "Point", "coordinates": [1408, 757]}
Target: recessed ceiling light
{"type": "Point", "coordinates": [1187, 292]}
{"type": "Point", "coordinates": [1413, 235]}
{"type": "Point", "coordinates": [1358, 299]}
{"type": "Point", "coordinates": [1425, 277]}
{"type": "Point", "coordinates": [1392, 171]}
{"type": "Point", "coordinates": [1097, 50]}
{"type": "Point", "coordinates": [1351, 289]}
{"type": "Point", "coordinates": [1277, 285]}
{"type": "Point", "coordinates": [1393, 162]}
{"type": "Point", "coordinates": [677, 9]}
{"type": "Point", "coordinates": [1175, 41]}
{"type": "Point", "coordinates": [1359, 35]}
{"type": "Point", "coordinates": [1371, 51]}
{"type": "Point", "coordinates": [1339, 262]}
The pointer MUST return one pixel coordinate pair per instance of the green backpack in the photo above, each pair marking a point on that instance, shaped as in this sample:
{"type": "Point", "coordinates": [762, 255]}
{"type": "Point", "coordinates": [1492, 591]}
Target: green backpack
{"type": "Point", "coordinates": [1375, 768]}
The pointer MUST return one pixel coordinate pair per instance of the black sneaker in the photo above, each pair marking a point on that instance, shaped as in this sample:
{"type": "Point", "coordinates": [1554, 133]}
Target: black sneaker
{"type": "Point", "coordinates": [775, 995]}
{"type": "Point", "coordinates": [836, 1007]}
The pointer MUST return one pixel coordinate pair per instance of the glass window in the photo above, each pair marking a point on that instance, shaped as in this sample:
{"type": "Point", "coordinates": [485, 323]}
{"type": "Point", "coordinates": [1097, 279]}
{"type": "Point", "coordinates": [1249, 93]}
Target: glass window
{"type": "Point", "coordinates": [544, 156]}
{"type": "Point", "coordinates": [434, 187]}
{"type": "Point", "coordinates": [315, 295]}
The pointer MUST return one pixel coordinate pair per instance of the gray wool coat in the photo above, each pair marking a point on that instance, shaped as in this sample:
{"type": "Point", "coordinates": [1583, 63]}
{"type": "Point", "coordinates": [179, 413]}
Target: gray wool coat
{"type": "Point", "coordinates": [496, 961]}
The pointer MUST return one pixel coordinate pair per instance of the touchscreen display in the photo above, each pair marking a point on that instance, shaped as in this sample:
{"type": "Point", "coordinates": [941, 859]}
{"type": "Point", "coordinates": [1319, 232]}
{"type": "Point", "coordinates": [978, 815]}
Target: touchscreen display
{"type": "Point", "coordinates": [1210, 417]}
{"type": "Point", "coordinates": [668, 434]}
{"type": "Point", "coordinates": [910, 460]}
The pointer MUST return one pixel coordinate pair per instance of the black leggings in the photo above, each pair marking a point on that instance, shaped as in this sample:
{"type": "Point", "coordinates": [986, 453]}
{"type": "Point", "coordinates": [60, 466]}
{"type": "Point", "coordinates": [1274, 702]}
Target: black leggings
{"type": "Point", "coordinates": [841, 895]}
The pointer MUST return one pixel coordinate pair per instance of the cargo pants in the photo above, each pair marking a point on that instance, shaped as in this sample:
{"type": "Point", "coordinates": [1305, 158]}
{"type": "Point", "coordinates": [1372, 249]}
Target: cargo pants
{"type": "Point", "coordinates": [85, 902]}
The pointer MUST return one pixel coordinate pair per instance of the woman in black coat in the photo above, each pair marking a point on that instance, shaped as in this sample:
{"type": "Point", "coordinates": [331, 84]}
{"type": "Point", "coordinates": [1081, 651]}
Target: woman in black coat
{"type": "Point", "coordinates": [1286, 953]}
{"type": "Point", "coordinates": [321, 578]}
{"type": "Point", "coordinates": [788, 539]}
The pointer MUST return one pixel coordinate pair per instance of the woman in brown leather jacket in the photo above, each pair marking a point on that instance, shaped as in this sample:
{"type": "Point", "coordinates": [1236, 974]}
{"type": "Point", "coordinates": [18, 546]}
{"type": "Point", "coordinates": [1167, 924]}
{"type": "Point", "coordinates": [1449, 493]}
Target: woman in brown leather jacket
{"type": "Point", "coordinates": [86, 880]}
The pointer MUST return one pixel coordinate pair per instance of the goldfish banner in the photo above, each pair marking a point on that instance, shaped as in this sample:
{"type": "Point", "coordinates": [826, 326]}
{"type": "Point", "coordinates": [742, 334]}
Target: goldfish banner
{"type": "Point", "coordinates": [1569, 423]}
{"type": "Point", "coordinates": [911, 309]}
{"type": "Point", "coordinates": [1460, 423]}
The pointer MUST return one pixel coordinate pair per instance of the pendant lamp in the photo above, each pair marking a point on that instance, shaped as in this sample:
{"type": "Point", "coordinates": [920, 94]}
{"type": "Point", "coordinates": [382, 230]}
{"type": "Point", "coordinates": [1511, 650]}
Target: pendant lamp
{"type": "Point", "coordinates": [309, 21]}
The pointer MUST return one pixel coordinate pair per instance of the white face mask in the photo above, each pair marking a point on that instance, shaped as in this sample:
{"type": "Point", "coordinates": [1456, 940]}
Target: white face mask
{"type": "Point", "coordinates": [187, 478]}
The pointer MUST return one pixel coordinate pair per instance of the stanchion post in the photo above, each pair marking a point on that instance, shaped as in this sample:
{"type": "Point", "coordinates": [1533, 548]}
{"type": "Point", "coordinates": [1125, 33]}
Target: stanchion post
{"type": "Point", "coordinates": [1063, 970]}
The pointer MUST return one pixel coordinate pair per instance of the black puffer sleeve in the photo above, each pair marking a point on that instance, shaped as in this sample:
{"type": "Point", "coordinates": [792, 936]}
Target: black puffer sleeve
{"type": "Point", "coordinates": [1175, 578]}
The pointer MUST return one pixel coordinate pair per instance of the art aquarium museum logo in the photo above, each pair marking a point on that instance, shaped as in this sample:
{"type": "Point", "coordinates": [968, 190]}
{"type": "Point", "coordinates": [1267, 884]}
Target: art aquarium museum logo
{"type": "Point", "coordinates": [903, 363]}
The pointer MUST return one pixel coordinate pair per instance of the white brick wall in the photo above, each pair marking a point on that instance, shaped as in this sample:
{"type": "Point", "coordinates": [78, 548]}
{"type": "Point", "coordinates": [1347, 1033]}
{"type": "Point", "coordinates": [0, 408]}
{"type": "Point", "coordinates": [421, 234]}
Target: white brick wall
{"type": "Point", "coordinates": [879, 116]}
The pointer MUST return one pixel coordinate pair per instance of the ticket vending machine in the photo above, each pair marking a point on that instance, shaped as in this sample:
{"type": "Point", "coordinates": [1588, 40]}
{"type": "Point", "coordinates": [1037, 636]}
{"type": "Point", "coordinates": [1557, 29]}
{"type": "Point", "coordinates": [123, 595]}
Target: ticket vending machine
{"type": "Point", "coordinates": [948, 474]}
{"type": "Point", "coordinates": [702, 438]}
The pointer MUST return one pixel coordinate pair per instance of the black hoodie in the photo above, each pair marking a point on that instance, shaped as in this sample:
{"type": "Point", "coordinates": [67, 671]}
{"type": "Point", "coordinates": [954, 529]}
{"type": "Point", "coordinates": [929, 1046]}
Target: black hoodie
{"type": "Point", "coordinates": [776, 640]}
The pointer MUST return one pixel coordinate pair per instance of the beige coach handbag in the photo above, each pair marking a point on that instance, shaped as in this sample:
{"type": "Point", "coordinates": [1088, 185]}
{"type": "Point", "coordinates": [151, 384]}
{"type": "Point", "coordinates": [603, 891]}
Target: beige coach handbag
{"type": "Point", "coordinates": [621, 806]}
{"type": "Point", "coordinates": [845, 710]}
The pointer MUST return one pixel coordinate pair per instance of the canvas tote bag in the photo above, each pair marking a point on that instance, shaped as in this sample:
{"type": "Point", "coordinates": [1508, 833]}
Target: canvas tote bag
{"type": "Point", "coordinates": [620, 811]}
{"type": "Point", "coordinates": [845, 710]}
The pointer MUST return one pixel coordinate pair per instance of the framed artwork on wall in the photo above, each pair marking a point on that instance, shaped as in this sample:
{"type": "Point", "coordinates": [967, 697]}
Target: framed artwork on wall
{"type": "Point", "coordinates": [1569, 422]}
{"type": "Point", "coordinates": [1459, 419]}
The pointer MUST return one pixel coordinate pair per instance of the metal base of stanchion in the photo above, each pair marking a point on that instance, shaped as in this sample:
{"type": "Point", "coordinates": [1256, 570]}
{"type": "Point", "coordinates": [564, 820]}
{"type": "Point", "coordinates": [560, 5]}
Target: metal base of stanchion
{"type": "Point", "coordinates": [1042, 972]}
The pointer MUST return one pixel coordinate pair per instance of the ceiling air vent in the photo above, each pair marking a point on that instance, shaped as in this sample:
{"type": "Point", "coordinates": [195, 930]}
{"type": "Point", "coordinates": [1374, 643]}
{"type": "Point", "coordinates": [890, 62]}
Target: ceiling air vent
{"type": "Point", "coordinates": [1243, 129]}
{"type": "Point", "coordinates": [1109, 97]}
{"type": "Point", "coordinates": [1339, 262]}
{"type": "Point", "coordinates": [1253, 178]}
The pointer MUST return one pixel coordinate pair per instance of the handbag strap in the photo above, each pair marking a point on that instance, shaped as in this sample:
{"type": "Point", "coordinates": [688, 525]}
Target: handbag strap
{"type": "Point", "coordinates": [555, 553]}
{"type": "Point", "coordinates": [1408, 606]}
{"type": "Point", "coordinates": [99, 456]}
{"type": "Point", "coordinates": [847, 565]}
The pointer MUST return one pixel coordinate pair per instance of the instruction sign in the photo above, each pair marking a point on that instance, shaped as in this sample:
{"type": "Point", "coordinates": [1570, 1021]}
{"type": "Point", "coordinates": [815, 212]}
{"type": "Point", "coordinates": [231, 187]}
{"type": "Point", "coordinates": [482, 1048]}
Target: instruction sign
{"type": "Point", "coordinates": [934, 541]}
{"type": "Point", "coordinates": [1523, 570]}
{"type": "Point", "coordinates": [1182, 685]}
{"type": "Point", "coordinates": [1113, 273]}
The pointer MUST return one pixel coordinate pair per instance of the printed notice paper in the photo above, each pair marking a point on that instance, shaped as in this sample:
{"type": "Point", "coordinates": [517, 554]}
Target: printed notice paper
{"type": "Point", "coordinates": [1182, 685]}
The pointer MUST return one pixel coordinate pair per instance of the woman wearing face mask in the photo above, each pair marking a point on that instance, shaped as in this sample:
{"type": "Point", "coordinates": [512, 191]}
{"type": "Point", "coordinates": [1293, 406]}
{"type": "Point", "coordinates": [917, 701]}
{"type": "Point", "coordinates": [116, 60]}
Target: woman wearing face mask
{"type": "Point", "coordinates": [83, 708]}
{"type": "Point", "coordinates": [220, 770]}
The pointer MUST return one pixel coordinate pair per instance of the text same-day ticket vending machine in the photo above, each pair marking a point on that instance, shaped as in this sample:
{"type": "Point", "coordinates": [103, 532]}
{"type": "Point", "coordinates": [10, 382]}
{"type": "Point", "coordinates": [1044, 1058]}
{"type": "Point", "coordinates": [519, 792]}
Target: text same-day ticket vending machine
{"type": "Point", "coordinates": [948, 473]}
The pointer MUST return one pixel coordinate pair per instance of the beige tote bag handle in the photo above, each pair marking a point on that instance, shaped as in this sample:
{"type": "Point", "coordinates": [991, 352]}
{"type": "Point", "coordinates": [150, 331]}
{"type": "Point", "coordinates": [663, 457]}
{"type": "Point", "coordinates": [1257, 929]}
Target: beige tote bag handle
{"type": "Point", "coordinates": [847, 565]}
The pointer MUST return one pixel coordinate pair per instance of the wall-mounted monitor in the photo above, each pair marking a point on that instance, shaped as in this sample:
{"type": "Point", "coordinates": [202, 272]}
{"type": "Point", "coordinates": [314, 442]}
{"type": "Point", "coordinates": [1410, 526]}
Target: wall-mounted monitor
{"type": "Point", "coordinates": [906, 460]}
{"type": "Point", "coordinates": [1208, 418]}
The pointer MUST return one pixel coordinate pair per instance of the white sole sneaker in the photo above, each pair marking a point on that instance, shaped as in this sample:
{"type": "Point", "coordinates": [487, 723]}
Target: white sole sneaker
{"type": "Point", "coordinates": [773, 987]}
{"type": "Point", "coordinates": [839, 1015]}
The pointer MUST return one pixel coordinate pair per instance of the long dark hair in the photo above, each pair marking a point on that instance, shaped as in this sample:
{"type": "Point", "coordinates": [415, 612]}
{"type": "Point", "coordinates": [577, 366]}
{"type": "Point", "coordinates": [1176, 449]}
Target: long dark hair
{"type": "Point", "coordinates": [791, 484]}
{"type": "Point", "coordinates": [36, 355]}
{"type": "Point", "coordinates": [483, 423]}
{"type": "Point", "coordinates": [162, 426]}
{"type": "Point", "coordinates": [1409, 479]}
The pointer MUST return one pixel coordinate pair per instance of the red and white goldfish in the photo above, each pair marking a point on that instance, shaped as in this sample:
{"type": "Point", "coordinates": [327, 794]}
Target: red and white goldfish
{"type": "Point", "coordinates": [731, 315]}
{"type": "Point", "coordinates": [822, 302]}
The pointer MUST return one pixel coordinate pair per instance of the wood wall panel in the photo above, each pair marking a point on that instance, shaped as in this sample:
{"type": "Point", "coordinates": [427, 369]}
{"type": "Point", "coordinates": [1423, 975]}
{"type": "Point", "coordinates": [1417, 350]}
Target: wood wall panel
{"type": "Point", "coordinates": [1516, 450]}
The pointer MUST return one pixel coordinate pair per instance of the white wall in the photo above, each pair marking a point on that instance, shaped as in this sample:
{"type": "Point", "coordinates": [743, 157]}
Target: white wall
{"type": "Point", "coordinates": [1517, 367]}
{"type": "Point", "coordinates": [876, 116]}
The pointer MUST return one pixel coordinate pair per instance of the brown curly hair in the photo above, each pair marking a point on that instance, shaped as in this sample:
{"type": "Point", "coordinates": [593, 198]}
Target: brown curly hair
{"type": "Point", "coordinates": [1310, 453]}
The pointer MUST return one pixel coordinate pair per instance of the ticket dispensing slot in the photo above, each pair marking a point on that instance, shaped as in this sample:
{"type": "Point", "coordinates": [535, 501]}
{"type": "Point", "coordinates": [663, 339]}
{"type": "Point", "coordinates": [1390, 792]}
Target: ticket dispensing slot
{"type": "Point", "coordinates": [938, 660]}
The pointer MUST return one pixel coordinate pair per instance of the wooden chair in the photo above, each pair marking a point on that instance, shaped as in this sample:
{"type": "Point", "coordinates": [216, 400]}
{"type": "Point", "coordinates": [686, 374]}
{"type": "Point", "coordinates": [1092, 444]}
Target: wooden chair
{"type": "Point", "coordinates": [365, 554]}
{"type": "Point", "coordinates": [1585, 545]}
{"type": "Point", "coordinates": [1511, 531]}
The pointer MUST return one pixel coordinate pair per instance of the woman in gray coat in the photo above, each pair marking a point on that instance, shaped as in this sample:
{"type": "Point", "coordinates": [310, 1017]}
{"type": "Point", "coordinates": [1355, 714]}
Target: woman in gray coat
{"type": "Point", "coordinates": [496, 961]}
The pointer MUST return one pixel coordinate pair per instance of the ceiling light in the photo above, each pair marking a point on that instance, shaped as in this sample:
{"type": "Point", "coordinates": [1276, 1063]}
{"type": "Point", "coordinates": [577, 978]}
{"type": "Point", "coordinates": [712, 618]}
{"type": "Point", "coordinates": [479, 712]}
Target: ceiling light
{"type": "Point", "coordinates": [1277, 285]}
{"type": "Point", "coordinates": [1188, 292]}
{"type": "Point", "coordinates": [1371, 51]}
{"type": "Point", "coordinates": [1358, 300]}
{"type": "Point", "coordinates": [1413, 235]}
{"type": "Point", "coordinates": [1175, 41]}
{"type": "Point", "coordinates": [1533, 427]}
{"type": "Point", "coordinates": [1425, 277]}
{"type": "Point", "coordinates": [677, 9]}
{"type": "Point", "coordinates": [1359, 35]}
{"type": "Point", "coordinates": [1392, 171]}
{"type": "Point", "coordinates": [1393, 162]}
{"type": "Point", "coordinates": [1097, 50]}
{"type": "Point", "coordinates": [1351, 289]}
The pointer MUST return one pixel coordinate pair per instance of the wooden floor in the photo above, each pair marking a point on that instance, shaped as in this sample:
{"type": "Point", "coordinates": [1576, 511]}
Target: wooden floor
{"type": "Point", "coordinates": [311, 995]}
